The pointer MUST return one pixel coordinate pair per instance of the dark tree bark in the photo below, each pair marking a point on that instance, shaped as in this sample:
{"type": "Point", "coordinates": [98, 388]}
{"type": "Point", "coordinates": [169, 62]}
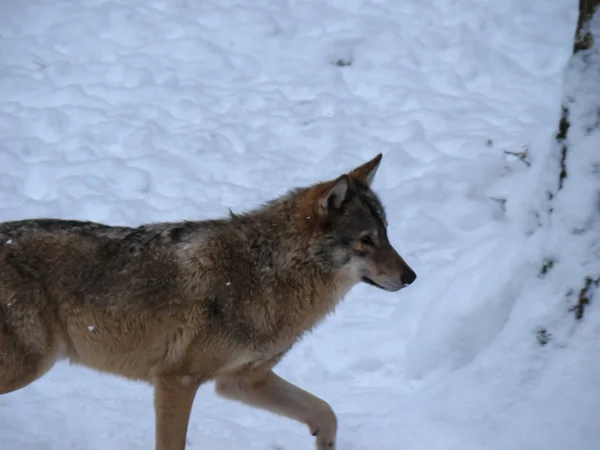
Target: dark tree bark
{"type": "Point", "coordinates": [583, 41]}
{"type": "Point", "coordinates": [583, 38]}
{"type": "Point", "coordinates": [578, 126]}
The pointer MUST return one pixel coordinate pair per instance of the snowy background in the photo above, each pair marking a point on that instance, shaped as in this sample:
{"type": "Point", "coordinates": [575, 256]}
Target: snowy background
{"type": "Point", "coordinates": [130, 111]}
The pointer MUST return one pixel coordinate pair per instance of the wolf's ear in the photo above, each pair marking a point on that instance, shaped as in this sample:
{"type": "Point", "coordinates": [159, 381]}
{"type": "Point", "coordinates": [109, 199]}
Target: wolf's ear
{"type": "Point", "coordinates": [335, 194]}
{"type": "Point", "coordinates": [367, 171]}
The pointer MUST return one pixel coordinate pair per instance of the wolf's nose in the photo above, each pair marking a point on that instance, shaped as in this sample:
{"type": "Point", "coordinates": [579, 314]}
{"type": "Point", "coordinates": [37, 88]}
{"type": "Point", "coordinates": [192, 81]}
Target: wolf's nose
{"type": "Point", "coordinates": [408, 276]}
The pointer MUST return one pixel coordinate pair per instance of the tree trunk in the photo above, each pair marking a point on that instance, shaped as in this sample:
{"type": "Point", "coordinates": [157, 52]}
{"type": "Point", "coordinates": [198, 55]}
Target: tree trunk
{"type": "Point", "coordinates": [583, 41]}
{"type": "Point", "coordinates": [576, 203]}
{"type": "Point", "coordinates": [583, 38]}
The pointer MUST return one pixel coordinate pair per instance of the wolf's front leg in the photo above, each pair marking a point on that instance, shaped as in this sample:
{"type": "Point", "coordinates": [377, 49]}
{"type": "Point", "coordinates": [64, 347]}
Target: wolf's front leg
{"type": "Point", "coordinates": [173, 399]}
{"type": "Point", "coordinates": [272, 393]}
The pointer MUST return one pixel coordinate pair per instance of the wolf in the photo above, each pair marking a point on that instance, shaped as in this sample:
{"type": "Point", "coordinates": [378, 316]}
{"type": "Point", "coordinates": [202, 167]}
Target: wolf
{"type": "Point", "coordinates": [181, 304]}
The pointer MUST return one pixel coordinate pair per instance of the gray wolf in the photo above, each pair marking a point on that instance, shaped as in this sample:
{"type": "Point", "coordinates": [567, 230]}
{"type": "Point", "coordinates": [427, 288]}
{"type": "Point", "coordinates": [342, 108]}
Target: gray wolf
{"type": "Point", "coordinates": [181, 304]}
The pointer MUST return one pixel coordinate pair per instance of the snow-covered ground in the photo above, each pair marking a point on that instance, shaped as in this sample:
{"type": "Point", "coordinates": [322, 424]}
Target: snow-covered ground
{"type": "Point", "coordinates": [129, 111]}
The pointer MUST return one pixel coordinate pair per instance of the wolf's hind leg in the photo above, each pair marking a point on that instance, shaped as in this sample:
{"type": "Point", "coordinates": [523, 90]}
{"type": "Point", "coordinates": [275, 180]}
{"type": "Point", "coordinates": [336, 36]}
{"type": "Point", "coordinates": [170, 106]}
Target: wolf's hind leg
{"type": "Point", "coordinates": [26, 350]}
{"type": "Point", "coordinates": [273, 393]}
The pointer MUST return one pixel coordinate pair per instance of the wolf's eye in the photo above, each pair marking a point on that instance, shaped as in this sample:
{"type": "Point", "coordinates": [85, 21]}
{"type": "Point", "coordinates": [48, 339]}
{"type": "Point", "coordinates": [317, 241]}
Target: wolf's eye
{"type": "Point", "coordinates": [367, 240]}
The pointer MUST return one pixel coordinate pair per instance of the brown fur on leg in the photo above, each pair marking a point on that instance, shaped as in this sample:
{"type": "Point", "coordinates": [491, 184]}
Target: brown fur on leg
{"type": "Point", "coordinates": [27, 349]}
{"type": "Point", "coordinates": [17, 368]}
{"type": "Point", "coordinates": [272, 393]}
{"type": "Point", "coordinates": [173, 400]}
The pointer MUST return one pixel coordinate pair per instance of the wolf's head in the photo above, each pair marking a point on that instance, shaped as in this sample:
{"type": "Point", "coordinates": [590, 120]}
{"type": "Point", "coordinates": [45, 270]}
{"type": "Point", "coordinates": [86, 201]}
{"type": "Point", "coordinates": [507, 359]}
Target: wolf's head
{"type": "Point", "coordinates": [350, 230]}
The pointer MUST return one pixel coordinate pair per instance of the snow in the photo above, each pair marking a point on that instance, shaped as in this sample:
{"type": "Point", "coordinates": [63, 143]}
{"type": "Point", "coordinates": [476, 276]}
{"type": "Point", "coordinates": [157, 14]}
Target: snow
{"type": "Point", "coordinates": [131, 111]}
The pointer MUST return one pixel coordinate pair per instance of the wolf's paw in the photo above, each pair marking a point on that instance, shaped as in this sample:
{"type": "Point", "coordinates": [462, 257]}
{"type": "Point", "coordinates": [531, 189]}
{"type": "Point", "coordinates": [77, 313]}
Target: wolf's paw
{"type": "Point", "coordinates": [325, 444]}
{"type": "Point", "coordinates": [324, 428]}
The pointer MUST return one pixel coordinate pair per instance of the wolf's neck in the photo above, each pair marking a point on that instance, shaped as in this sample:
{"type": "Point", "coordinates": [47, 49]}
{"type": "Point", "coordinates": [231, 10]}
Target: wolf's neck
{"type": "Point", "coordinates": [284, 256]}
{"type": "Point", "coordinates": [277, 239]}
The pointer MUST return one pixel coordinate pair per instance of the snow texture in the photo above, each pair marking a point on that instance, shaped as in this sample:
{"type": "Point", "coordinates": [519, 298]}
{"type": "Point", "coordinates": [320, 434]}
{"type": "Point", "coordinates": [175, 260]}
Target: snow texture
{"type": "Point", "coordinates": [131, 111]}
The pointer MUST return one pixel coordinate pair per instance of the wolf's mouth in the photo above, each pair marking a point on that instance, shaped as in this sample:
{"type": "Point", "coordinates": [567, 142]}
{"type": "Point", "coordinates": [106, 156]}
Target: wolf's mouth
{"type": "Point", "coordinates": [372, 283]}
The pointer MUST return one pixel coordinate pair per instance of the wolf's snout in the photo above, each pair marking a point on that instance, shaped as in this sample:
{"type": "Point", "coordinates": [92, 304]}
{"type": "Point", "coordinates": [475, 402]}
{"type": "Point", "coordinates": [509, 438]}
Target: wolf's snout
{"type": "Point", "coordinates": [391, 273]}
{"type": "Point", "coordinates": [408, 276]}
